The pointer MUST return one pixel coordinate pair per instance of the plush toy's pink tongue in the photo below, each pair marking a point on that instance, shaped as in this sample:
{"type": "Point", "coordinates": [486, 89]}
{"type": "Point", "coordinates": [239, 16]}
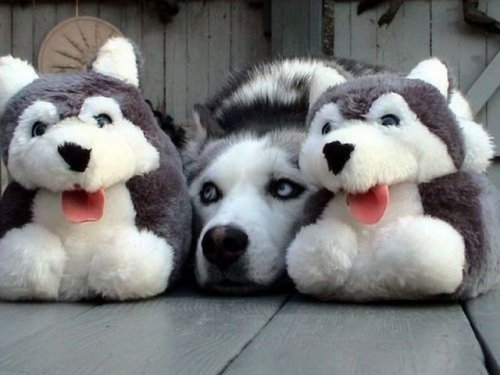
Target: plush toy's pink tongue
{"type": "Point", "coordinates": [369, 207]}
{"type": "Point", "coordinates": [80, 206]}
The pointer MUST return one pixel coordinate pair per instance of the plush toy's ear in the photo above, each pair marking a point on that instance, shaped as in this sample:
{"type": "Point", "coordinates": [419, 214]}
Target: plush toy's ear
{"type": "Point", "coordinates": [478, 144]}
{"type": "Point", "coordinates": [14, 75]}
{"type": "Point", "coordinates": [323, 78]}
{"type": "Point", "coordinates": [434, 72]}
{"type": "Point", "coordinates": [117, 58]}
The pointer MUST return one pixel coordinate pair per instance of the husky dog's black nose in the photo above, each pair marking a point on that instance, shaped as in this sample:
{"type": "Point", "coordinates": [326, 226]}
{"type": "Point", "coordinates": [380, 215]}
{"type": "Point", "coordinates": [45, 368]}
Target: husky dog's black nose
{"type": "Point", "coordinates": [224, 245]}
{"type": "Point", "coordinates": [337, 154]}
{"type": "Point", "coordinates": [75, 156]}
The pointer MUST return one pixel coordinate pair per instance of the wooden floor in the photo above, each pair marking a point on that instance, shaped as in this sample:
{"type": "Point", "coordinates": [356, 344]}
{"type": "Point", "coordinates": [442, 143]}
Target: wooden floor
{"type": "Point", "coordinates": [187, 332]}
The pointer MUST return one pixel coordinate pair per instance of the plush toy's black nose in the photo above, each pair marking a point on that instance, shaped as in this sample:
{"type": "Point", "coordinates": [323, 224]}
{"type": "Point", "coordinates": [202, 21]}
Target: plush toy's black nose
{"type": "Point", "coordinates": [224, 245]}
{"type": "Point", "coordinates": [337, 154]}
{"type": "Point", "coordinates": [75, 156]}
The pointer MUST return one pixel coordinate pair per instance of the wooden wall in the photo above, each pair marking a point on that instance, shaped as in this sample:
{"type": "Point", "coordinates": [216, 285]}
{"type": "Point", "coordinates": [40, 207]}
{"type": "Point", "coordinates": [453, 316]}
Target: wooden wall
{"type": "Point", "coordinates": [186, 60]}
{"type": "Point", "coordinates": [424, 28]}
{"type": "Point", "coordinates": [420, 29]}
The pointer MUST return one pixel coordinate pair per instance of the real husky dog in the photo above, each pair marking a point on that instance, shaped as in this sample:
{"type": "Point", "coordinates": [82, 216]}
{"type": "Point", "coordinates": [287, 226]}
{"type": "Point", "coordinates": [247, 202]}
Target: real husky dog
{"type": "Point", "coordinates": [241, 157]}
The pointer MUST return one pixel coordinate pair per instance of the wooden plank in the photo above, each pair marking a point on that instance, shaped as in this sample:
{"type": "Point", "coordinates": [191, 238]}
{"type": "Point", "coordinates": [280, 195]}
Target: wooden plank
{"type": "Point", "coordinates": [487, 83]}
{"type": "Point", "coordinates": [180, 334]}
{"type": "Point", "coordinates": [5, 29]}
{"type": "Point", "coordinates": [493, 106]}
{"type": "Point", "coordinates": [494, 173]}
{"type": "Point", "coordinates": [21, 320]}
{"type": "Point", "coordinates": [462, 46]}
{"type": "Point", "coordinates": [342, 29]}
{"type": "Point", "coordinates": [131, 23]}
{"type": "Point", "coordinates": [484, 314]}
{"type": "Point", "coordinates": [407, 40]}
{"type": "Point", "coordinates": [295, 24]}
{"type": "Point", "coordinates": [307, 337]}
{"type": "Point", "coordinates": [260, 44]}
{"type": "Point", "coordinates": [277, 7]}
{"type": "Point", "coordinates": [248, 42]}
{"type": "Point", "coordinates": [153, 50]}
{"type": "Point", "coordinates": [22, 31]}
{"type": "Point", "coordinates": [44, 21]}
{"type": "Point", "coordinates": [197, 55]}
{"type": "Point", "coordinates": [112, 12]}
{"type": "Point", "coordinates": [176, 67]}
{"type": "Point", "coordinates": [315, 28]}
{"type": "Point", "coordinates": [219, 44]}
{"type": "Point", "coordinates": [65, 10]}
{"type": "Point", "coordinates": [89, 8]}
{"type": "Point", "coordinates": [363, 31]}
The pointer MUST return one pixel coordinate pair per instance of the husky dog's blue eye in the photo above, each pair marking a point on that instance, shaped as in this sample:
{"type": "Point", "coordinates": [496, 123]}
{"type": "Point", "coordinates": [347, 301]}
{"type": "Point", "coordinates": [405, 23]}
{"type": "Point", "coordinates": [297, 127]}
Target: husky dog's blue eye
{"type": "Point", "coordinates": [390, 120]}
{"type": "Point", "coordinates": [103, 119]}
{"type": "Point", "coordinates": [327, 128]}
{"type": "Point", "coordinates": [39, 128]}
{"type": "Point", "coordinates": [209, 193]}
{"type": "Point", "coordinates": [284, 189]}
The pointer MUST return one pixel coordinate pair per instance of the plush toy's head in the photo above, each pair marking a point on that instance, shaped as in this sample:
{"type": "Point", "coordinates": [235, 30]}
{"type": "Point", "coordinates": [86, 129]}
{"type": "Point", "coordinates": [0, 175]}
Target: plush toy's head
{"type": "Point", "coordinates": [77, 132]}
{"type": "Point", "coordinates": [373, 132]}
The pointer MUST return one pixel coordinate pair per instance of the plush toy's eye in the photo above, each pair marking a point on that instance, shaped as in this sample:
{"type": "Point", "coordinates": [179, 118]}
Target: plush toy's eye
{"type": "Point", "coordinates": [284, 189]}
{"type": "Point", "coordinates": [326, 128]}
{"type": "Point", "coordinates": [390, 120]}
{"type": "Point", "coordinates": [39, 128]}
{"type": "Point", "coordinates": [103, 119]}
{"type": "Point", "coordinates": [209, 193]}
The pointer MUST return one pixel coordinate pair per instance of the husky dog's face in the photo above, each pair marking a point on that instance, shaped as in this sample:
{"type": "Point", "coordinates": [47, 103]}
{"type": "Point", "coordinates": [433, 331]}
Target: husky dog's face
{"type": "Point", "coordinates": [248, 194]}
{"type": "Point", "coordinates": [383, 130]}
{"type": "Point", "coordinates": [83, 131]}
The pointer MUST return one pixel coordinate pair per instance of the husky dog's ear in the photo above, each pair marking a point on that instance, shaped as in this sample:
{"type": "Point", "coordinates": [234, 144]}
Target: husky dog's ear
{"type": "Point", "coordinates": [205, 123]}
{"type": "Point", "coordinates": [14, 75]}
{"type": "Point", "coordinates": [204, 126]}
{"type": "Point", "coordinates": [323, 78]}
{"type": "Point", "coordinates": [118, 58]}
{"type": "Point", "coordinates": [434, 72]}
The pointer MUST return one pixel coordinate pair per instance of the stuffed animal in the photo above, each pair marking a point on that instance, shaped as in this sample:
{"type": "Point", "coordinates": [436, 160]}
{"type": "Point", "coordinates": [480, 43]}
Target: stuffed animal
{"type": "Point", "coordinates": [411, 214]}
{"type": "Point", "coordinates": [98, 205]}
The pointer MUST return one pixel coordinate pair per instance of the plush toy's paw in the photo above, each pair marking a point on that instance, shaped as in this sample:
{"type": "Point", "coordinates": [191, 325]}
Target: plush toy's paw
{"type": "Point", "coordinates": [419, 257]}
{"type": "Point", "coordinates": [134, 265]}
{"type": "Point", "coordinates": [32, 261]}
{"type": "Point", "coordinates": [321, 257]}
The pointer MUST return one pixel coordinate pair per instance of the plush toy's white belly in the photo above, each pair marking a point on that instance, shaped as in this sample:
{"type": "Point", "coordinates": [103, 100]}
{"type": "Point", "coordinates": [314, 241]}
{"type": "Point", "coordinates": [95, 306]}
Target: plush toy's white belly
{"type": "Point", "coordinates": [82, 241]}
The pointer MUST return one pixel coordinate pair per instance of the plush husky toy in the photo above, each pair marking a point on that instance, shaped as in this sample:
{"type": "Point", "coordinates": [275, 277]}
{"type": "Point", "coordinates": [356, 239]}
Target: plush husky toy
{"type": "Point", "coordinates": [98, 206]}
{"type": "Point", "coordinates": [412, 215]}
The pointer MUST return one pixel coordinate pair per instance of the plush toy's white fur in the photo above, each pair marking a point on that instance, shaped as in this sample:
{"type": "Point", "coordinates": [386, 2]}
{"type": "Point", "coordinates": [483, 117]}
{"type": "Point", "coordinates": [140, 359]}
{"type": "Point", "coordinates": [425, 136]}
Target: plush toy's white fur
{"type": "Point", "coordinates": [14, 75]}
{"type": "Point", "coordinates": [404, 255]}
{"type": "Point", "coordinates": [124, 262]}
